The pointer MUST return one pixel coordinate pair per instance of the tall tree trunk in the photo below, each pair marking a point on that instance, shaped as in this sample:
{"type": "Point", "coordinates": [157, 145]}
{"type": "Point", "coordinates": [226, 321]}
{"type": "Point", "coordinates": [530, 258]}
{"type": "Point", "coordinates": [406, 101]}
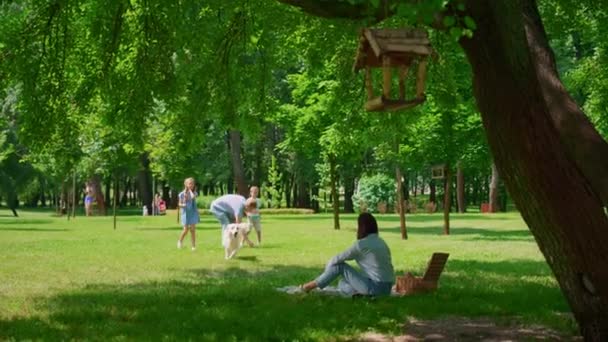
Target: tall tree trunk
{"type": "Point", "coordinates": [415, 185]}
{"type": "Point", "coordinates": [144, 179]}
{"type": "Point", "coordinates": [259, 164]}
{"type": "Point", "coordinates": [334, 191]}
{"type": "Point", "coordinates": [432, 191]}
{"type": "Point", "coordinates": [475, 191]}
{"type": "Point", "coordinates": [519, 95]}
{"type": "Point", "coordinates": [174, 198]}
{"type": "Point", "coordinates": [287, 189]}
{"type": "Point", "coordinates": [42, 182]}
{"type": "Point", "coordinates": [97, 191]}
{"type": "Point", "coordinates": [108, 184]}
{"type": "Point", "coordinates": [494, 206]}
{"type": "Point", "coordinates": [349, 191]}
{"type": "Point", "coordinates": [125, 194]}
{"type": "Point", "coordinates": [115, 200]}
{"type": "Point", "coordinates": [400, 202]}
{"type": "Point", "coordinates": [314, 198]}
{"type": "Point", "coordinates": [295, 191]}
{"type": "Point", "coordinates": [460, 189]}
{"type": "Point", "coordinates": [237, 163]}
{"type": "Point", "coordinates": [447, 199]}
{"type": "Point", "coordinates": [12, 202]}
{"type": "Point", "coordinates": [74, 198]}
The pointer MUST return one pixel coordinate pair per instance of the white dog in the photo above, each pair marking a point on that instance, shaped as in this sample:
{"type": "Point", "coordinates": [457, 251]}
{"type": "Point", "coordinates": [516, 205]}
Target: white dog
{"type": "Point", "coordinates": [234, 236]}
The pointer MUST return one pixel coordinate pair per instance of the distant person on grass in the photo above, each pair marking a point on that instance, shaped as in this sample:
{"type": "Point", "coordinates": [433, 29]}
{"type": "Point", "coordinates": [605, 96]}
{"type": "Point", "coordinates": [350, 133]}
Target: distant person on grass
{"type": "Point", "coordinates": [254, 215]}
{"type": "Point", "coordinates": [189, 212]}
{"type": "Point", "coordinates": [231, 209]}
{"type": "Point", "coordinates": [373, 256]}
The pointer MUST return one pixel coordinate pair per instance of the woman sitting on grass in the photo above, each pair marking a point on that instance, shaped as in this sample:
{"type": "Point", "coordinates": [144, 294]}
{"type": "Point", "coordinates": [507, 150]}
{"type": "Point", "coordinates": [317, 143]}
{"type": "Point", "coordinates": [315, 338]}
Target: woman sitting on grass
{"type": "Point", "coordinates": [372, 255]}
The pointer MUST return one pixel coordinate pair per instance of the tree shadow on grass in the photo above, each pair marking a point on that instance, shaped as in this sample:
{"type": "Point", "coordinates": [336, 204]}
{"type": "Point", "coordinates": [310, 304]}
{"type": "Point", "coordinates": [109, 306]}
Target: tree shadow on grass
{"type": "Point", "coordinates": [243, 305]}
{"type": "Point", "coordinates": [454, 217]}
{"type": "Point", "coordinates": [16, 229]}
{"type": "Point", "coordinates": [480, 234]}
{"type": "Point", "coordinates": [19, 220]}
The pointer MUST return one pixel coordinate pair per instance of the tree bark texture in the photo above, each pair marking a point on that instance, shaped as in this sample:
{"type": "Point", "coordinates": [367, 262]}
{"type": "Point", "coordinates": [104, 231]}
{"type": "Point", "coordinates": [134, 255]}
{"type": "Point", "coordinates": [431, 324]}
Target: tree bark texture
{"type": "Point", "coordinates": [524, 107]}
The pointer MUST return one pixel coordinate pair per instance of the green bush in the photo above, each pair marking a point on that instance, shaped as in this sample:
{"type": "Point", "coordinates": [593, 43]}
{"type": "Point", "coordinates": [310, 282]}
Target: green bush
{"type": "Point", "coordinates": [373, 190]}
{"type": "Point", "coordinates": [286, 211]}
{"type": "Point", "coordinates": [204, 202]}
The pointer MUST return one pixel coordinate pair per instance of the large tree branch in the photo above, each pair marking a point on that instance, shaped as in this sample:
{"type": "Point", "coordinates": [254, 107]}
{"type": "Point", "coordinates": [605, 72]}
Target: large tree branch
{"type": "Point", "coordinates": [342, 9]}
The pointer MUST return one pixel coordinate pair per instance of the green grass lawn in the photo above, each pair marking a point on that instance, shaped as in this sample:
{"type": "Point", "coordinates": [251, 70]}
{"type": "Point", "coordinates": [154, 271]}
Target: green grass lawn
{"type": "Point", "coordinates": [83, 280]}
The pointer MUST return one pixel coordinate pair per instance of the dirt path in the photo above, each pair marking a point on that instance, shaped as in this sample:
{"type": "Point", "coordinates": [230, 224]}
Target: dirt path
{"type": "Point", "coordinates": [463, 329]}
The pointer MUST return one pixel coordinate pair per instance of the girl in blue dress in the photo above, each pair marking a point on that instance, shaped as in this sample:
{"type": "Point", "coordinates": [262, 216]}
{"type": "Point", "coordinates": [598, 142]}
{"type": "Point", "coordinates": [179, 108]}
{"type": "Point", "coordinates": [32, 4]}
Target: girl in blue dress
{"type": "Point", "coordinates": [189, 212]}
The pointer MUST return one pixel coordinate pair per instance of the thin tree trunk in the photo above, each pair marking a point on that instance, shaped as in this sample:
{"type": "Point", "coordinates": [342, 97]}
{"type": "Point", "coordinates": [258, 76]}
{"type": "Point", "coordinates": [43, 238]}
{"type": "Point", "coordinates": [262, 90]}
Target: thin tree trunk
{"type": "Point", "coordinates": [108, 185]}
{"type": "Point", "coordinates": [125, 194]}
{"type": "Point", "coordinates": [295, 192]}
{"type": "Point", "coordinates": [512, 84]}
{"type": "Point", "coordinates": [114, 200]}
{"type": "Point", "coordinates": [74, 195]}
{"type": "Point", "coordinates": [259, 159]}
{"type": "Point", "coordinates": [42, 182]}
{"type": "Point", "coordinates": [447, 197]}
{"type": "Point", "coordinates": [460, 189]}
{"type": "Point", "coordinates": [144, 179]}
{"type": "Point", "coordinates": [494, 206]}
{"type": "Point", "coordinates": [314, 201]}
{"type": "Point", "coordinates": [432, 191]}
{"type": "Point", "coordinates": [334, 191]}
{"type": "Point", "coordinates": [400, 202]}
{"type": "Point", "coordinates": [349, 190]}
{"type": "Point", "coordinates": [99, 199]}
{"type": "Point", "coordinates": [237, 162]}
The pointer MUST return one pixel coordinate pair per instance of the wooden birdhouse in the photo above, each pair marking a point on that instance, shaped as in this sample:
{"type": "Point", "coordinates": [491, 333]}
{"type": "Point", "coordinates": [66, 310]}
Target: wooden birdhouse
{"type": "Point", "coordinates": [389, 49]}
{"type": "Point", "coordinates": [438, 171]}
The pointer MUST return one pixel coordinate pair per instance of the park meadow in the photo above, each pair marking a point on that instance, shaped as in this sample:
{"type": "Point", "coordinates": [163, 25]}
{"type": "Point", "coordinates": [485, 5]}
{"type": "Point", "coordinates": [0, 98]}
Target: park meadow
{"type": "Point", "coordinates": [81, 279]}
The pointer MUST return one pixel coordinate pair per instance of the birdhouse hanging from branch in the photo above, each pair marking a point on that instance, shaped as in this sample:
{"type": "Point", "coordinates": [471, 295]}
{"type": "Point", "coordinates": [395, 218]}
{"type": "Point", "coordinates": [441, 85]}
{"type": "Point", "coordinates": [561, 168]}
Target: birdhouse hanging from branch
{"type": "Point", "coordinates": [400, 49]}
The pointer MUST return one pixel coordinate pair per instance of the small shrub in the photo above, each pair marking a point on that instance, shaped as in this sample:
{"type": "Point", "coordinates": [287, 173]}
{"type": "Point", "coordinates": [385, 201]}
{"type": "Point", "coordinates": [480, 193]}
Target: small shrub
{"type": "Point", "coordinates": [204, 202]}
{"type": "Point", "coordinates": [373, 190]}
{"type": "Point", "coordinates": [287, 211]}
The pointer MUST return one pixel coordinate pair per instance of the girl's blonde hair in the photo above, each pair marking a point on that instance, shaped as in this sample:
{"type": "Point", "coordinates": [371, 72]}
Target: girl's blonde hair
{"type": "Point", "coordinates": [189, 179]}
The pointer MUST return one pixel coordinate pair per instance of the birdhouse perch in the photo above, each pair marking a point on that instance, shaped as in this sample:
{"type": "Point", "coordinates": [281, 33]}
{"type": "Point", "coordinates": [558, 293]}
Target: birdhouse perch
{"type": "Point", "coordinates": [393, 49]}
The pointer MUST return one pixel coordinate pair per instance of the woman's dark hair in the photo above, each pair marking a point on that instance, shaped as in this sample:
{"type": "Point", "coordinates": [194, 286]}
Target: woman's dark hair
{"type": "Point", "coordinates": [366, 225]}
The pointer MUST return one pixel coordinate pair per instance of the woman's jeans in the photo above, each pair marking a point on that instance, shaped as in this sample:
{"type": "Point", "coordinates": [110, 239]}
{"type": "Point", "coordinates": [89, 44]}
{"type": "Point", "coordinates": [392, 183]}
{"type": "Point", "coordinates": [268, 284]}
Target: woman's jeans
{"type": "Point", "coordinates": [352, 281]}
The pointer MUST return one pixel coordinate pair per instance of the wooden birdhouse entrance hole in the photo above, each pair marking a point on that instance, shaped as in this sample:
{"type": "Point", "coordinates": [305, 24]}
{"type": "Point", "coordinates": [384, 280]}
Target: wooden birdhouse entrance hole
{"type": "Point", "coordinates": [389, 49]}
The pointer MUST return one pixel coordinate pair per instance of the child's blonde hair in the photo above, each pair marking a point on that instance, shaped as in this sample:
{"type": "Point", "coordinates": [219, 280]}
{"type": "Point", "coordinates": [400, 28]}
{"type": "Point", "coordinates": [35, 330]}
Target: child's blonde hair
{"type": "Point", "coordinates": [189, 179]}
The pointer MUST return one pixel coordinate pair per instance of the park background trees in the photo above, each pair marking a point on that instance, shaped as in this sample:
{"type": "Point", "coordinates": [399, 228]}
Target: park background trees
{"type": "Point", "coordinates": [134, 93]}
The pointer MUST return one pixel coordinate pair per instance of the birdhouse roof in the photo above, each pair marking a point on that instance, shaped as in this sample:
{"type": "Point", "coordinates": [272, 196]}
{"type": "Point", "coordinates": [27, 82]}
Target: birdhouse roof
{"type": "Point", "coordinates": [401, 45]}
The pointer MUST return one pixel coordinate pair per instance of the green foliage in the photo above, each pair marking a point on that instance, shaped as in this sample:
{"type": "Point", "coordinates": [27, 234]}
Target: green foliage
{"type": "Point", "coordinates": [578, 35]}
{"type": "Point", "coordinates": [373, 190]}
{"type": "Point", "coordinates": [272, 189]}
